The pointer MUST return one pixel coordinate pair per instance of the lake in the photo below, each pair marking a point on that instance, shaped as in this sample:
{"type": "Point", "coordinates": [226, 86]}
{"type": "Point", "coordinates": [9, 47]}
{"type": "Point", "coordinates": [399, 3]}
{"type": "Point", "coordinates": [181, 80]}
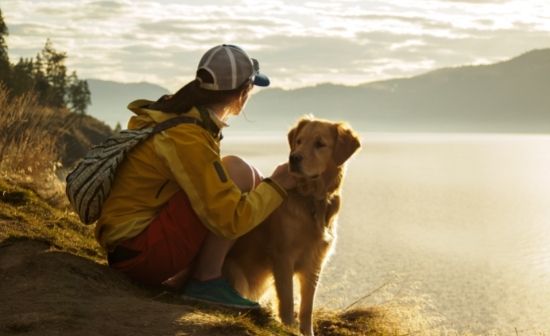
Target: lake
{"type": "Point", "coordinates": [456, 226]}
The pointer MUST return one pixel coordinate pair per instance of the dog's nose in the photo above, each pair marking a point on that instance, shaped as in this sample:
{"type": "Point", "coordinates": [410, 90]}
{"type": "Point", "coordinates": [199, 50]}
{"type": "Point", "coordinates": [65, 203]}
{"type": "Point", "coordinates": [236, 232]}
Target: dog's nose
{"type": "Point", "coordinates": [294, 160]}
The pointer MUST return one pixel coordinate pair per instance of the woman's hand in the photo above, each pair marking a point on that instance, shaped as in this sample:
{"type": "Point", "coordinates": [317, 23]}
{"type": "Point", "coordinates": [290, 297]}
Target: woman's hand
{"type": "Point", "coordinates": [281, 175]}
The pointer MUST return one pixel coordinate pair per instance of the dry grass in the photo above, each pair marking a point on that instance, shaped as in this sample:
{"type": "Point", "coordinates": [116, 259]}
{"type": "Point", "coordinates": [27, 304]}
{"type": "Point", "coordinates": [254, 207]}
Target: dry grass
{"type": "Point", "coordinates": [28, 146]}
{"type": "Point", "coordinates": [388, 319]}
{"type": "Point", "coordinates": [24, 214]}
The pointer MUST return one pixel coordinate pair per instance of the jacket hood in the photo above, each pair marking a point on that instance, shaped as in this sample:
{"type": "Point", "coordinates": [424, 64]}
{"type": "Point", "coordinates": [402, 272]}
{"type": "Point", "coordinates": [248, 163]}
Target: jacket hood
{"type": "Point", "coordinates": [145, 117]}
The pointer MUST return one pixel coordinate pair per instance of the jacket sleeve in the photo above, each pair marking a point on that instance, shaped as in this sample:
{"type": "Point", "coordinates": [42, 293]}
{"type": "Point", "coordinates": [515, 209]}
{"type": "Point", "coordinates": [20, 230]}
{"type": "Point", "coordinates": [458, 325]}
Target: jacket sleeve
{"type": "Point", "coordinates": [218, 202]}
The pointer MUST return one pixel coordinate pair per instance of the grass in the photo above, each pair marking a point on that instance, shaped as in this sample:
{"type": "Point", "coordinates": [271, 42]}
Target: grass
{"type": "Point", "coordinates": [30, 192]}
{"type": "Point", "coordinates": [27, 143]}
{"type": "Point", "coordinates": [24, 214]}
{"type": "Point", "coordinates": [38, 144]}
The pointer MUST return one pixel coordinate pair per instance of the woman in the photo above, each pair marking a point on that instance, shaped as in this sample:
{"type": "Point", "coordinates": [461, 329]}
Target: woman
{"type": "Point", "coordinates": [174, 201]}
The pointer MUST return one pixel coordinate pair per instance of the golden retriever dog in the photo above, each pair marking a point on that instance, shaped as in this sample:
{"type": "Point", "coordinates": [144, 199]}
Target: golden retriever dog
{"type": "Point", "coordinates": [298, 237]}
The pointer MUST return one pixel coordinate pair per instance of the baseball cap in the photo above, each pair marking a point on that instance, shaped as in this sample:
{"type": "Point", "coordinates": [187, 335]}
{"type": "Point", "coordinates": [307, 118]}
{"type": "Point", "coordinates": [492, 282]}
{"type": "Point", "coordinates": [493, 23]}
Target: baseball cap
{"type": "Point", "coordinates": [229, 67]}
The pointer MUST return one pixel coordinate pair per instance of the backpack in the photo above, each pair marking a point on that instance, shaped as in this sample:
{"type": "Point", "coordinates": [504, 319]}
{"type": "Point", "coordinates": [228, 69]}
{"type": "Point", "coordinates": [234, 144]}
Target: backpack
{"type": "Point", "coordinates": [89, 184]}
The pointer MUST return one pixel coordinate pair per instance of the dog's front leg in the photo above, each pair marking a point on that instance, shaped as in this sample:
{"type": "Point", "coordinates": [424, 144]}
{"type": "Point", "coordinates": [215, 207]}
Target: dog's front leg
{"type": "Point", "coordinates": [283, 271]}
{"type": "Point", "coordinates": [308, 284]}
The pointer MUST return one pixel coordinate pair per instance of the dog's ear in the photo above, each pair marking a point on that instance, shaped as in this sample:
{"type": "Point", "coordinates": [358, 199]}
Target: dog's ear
{"type": "Point", "coordinates": [294, 132]}
{"type": "Point", "coordinates": [347, 142]}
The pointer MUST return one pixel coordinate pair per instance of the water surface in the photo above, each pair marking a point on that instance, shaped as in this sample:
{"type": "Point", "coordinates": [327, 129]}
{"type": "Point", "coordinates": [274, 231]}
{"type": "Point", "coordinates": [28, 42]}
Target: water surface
{"type": "Point", "coordinates": [458, 225]}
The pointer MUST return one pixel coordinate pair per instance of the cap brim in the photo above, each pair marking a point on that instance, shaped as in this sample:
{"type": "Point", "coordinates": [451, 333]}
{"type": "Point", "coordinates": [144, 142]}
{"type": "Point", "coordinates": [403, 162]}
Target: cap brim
{"type": "Point", "coordinates": [261, 80]}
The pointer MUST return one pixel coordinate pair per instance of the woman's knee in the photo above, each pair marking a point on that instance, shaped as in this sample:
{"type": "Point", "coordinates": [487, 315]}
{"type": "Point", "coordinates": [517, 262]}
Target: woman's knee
{"type": "Point", "coordinates": [244, 175]}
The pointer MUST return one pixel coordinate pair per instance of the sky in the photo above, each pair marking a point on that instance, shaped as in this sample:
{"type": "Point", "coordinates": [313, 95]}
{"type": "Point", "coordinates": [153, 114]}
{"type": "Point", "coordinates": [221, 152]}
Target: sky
{"type": "Point", "coordinates": [297, 43]}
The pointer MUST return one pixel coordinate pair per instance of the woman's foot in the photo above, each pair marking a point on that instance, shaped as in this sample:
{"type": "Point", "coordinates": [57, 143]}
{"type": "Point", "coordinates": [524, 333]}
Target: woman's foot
{"type": "Point", "coordinates": [217, 291]}
{"type": "Point", "coordinates": [176, 282]}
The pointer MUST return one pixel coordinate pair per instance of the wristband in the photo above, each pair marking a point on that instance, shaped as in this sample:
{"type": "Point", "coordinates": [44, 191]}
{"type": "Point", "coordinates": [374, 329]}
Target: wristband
{"type": "Point", "coordinates": [275, 186]}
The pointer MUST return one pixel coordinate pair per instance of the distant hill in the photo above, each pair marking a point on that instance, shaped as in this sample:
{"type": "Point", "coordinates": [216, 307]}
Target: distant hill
{"type": "Point", "coordinates": [510, 96]}
{"type": "Point", "coordinates": [109, 99]}
{"type": "Point", "coordinates": [76, 135]}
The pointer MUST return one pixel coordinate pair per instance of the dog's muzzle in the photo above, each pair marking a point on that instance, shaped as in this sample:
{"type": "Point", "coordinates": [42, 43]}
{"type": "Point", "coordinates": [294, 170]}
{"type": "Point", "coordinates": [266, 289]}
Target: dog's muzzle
{"type": "Point", "coordinates": [294, 161]}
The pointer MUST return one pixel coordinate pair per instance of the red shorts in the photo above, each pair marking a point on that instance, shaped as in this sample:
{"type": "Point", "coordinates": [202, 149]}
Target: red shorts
{"type": "Point", "coordinates": [167, 246]}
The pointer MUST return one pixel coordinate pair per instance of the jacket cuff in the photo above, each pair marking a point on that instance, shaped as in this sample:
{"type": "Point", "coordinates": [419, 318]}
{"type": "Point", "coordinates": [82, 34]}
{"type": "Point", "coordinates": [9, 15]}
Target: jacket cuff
{"type": "Point", "coordinates": [276, 186]}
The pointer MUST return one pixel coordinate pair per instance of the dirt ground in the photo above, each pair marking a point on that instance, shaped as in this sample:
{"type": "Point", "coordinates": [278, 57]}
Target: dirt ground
{"type": "Point", "coordinates": [44, 291]}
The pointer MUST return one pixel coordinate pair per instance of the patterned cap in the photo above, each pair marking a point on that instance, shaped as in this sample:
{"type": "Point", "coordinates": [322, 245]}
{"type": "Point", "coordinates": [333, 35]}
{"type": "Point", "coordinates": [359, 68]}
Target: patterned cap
{"type": "Point", "coordinates": [230, 67]}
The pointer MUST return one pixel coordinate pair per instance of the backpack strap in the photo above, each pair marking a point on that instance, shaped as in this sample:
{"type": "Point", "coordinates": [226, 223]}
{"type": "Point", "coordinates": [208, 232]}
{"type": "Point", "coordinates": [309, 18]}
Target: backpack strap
{"type": "Point", "coordinates": [176, 121]}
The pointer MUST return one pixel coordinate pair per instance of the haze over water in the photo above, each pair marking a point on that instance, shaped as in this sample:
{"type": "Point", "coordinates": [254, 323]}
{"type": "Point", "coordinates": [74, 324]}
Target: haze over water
{"type": "Point", "coordinates": [457, 225]}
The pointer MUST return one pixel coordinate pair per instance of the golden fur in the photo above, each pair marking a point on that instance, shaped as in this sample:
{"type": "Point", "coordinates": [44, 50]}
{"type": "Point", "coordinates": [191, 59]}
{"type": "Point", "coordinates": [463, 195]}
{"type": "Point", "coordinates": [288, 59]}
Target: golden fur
{"type": "Point", "coordinates": [297, 238]}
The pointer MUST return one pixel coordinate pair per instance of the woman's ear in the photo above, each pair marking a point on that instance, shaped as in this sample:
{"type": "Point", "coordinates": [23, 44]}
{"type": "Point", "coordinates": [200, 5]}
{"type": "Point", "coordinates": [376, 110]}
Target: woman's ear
{"type": "Point", "coordinates": [243, 96]}
{"type": "Point", "coordinates": [347, 142]}
{"type": "Point", "coordinates": [242, 100]}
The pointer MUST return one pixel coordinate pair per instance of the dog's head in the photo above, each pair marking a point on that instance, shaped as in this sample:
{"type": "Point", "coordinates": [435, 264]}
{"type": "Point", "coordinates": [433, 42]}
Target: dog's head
{"type": "Point", "coordinates": [316, 145]}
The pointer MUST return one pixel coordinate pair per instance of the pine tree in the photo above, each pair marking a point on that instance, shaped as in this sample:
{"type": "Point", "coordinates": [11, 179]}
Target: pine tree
{"type": "Point", "coordinates": [56, 74]}
{"type": "Point", "coordinates": [78, 94]}
{"type": "Point", "coordinates": [46, 76]}
{"type": "Point", "coordinates": [22, 79]}
{"type": "Point", "coordinates": [4, 58]}
{"type": "Point", "coordinates": [41, 85]}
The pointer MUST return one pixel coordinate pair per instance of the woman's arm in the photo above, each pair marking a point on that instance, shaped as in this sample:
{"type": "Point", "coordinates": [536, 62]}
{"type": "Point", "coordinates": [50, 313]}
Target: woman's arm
{"type": "Point", "coordinates": [196, 165]}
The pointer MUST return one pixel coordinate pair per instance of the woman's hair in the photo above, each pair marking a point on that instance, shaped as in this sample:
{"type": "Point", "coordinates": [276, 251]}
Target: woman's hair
{"type": "Point", "coordinates": [192, 95]}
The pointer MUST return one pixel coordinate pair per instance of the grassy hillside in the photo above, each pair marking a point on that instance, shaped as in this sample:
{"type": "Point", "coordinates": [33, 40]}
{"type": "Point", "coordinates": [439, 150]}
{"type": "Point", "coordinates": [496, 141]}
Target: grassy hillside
{"type": "Point", "coordinates": [38, 143]}
{"type": "Point", "coordinates": [55, 281]}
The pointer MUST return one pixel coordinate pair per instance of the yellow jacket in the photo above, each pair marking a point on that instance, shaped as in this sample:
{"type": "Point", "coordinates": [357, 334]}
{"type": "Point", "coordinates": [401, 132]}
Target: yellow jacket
{"type": "Point", "coordinates": [185, 157]}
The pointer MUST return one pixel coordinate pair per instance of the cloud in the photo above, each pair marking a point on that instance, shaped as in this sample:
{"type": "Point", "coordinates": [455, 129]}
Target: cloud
{"type": "Point", "coordinates": [28, 29]}
{"type": "Point", "coordinates": [477, 2]}
{"type": "Point", "coordinates": [103, 9]}
{"type": "Point", "coordinates": [297, 43]}
{"type": "Point", "coordinates": [78, 10]}
{"type": "Point", "coordinates": [194, 29]}
{"type": "Point", "coordinates": [107, 5]}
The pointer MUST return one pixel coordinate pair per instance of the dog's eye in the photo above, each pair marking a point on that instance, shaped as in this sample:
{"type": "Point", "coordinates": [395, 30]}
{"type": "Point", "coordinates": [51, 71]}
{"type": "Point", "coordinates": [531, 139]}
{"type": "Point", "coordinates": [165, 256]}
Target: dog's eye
{"type": "Point", "coordinates": [319, 144]}
{"type": "Point", "coordinates": [299, 141]}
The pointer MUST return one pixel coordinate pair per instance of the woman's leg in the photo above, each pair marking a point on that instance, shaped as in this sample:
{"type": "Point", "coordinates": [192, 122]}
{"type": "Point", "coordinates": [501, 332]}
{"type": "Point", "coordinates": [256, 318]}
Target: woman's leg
{"type": "Point", "coordinates": [210, 260]}
{"type": "Point", "coordinates": [208, 263]}
{"type": "Point", "coordinates": [207, 283]}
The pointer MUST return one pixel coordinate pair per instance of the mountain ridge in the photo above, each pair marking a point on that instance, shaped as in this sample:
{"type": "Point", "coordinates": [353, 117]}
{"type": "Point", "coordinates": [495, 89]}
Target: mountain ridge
{"type": "Point", "coordinates": [110, 98]}
{"type": "Point", "coordinates": [507, 96]}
